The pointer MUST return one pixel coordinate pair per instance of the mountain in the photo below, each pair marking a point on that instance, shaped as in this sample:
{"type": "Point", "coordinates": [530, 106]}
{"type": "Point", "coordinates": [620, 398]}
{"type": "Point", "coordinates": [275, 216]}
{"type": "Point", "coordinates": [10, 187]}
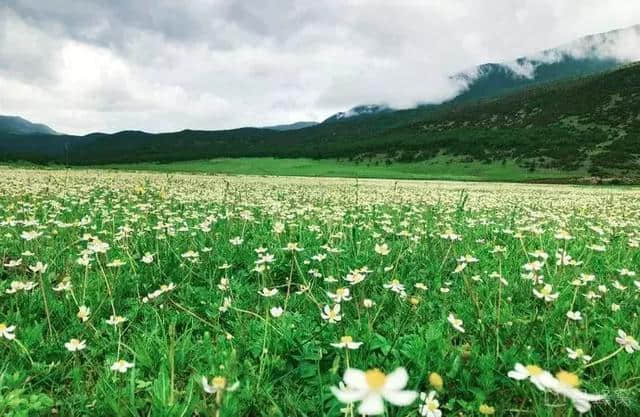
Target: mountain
{"type": "Point", "coordinates": [591, 122]}
{"type": "Point", "coordinates": [585, 56]}
{"type": "Point", "coordinates": [291, 126]}
{"type": "Point", "coordinates": [358, 111]}
{"type": "Point", "coordinates": [19, 126]}
{"type": "Point", "coordinates": [588, 55]}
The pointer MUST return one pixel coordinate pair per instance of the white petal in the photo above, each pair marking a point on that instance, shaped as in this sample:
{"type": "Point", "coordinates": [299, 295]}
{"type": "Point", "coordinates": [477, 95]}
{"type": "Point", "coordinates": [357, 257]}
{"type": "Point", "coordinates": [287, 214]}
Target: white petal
{"type": "Point", "coordinates": [400, 398]}
{"type": "Point", "coordinates": [205, 385]}
{"type": "Point", "coordinates": [519, 372]}
{"type": "Point", "coordinates": [581, 406]}
{"type": "Point", "coordinates": [372, 405]}
{"type": "Point", "coordinates": [355, 378]}
{"type": "Point", "coordinates": [348, 396]}
{"type": "Point", "coordinates": [396, 380]}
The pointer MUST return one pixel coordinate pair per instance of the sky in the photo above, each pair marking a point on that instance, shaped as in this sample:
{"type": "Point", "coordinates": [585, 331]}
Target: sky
{"type": "Point", "coordinates": [84, 66]}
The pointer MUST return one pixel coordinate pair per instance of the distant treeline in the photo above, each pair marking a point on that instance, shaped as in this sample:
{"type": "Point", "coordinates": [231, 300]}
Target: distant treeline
{"type": "Point", "coordinates": [592, 121]}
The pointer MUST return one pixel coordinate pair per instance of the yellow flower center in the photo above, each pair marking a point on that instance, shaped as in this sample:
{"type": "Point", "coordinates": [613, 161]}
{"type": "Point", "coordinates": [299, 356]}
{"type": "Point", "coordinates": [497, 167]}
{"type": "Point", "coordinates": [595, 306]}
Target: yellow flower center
{"type": "Point", "coordinates": [432, 405]}
{"type": "Point", "coordinates": [579, 352]}
{"type": "Point", "coordinates": [395, 282]}
{"type": "Point", "coordinates": [545, 291]}
{"type": "Point", "coordinates": [346, 339]}
{"type": "Point", "coordinates": [486, 410]}
{"type": "Point", "coordinates": [219, 382]}
{"type": "Point", "coordinates": [375, 379]}
{"type": "Point", "coordinates": [3, 327]}
{"type": "Point", "coordinates": [568, 378]}
{"type": "Point", "coordinates": [534, 370]}
{"type": "Point", "coordinates": [436, 380]}
{"type": "Point", "coordinates": [340, 291]}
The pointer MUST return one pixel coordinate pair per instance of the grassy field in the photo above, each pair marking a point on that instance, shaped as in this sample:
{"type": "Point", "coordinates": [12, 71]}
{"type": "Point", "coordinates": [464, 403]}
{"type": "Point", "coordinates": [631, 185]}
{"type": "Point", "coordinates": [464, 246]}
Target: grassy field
{"type": "Point", "coordinates": [438, 168]}
{"type": "Point", "coordinates": [146, 294]}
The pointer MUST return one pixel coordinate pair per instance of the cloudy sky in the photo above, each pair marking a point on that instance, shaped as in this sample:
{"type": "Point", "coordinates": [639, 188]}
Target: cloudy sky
{"type": "Point", "coordinates": [91, 65]}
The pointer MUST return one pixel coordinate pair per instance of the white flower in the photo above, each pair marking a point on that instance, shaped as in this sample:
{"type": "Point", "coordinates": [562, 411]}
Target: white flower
{"type": "Point", "coordinates": [276, 311]}
{"type": "Point", "coordinates": [265, 292]}
{"type": "Point", "coordinates": [74, 345]}
{"type": "Point", "coordinates": [147, 258]}
{"type": "Point", "coordinates": [64, 285]}
{"type": "Point", "coordinates": [368, 303]}
{"type": "Point", "coordinates": [542, 379]}
{"type": "Point", "coordinates": [629, 343]}
{"type": "Point", "coordinates": [218, 384]}
{"type": "Point", "coordinates": [39, 267]}
{"type": "Point", "coordinates": [346, 342]}
{"type": "Point", "coordinates": [455, 322]}
{"type": "Point", "coordinates": [13, 263]}
{"type": "Point", "coordinates": [395, 286]}
{"type": "Point", "coordinates": [30, 235]}
{"type": "Point", "coordinates": [190, 255]}
{"type": "Point", "coordinates": [382, 250]}
{"type": "Point", "coordinates": [115, 320]}
{"type": "Point", "coordinates": [97, 246]}
{"type": "Point", "coordinates": [574, 315]}
{"type": "Point", "coordinates": [566, 384]}
{"type": "Point", "coordinates": [430, 407]}
{"type": "Point", "coordinates": [226, 303]}
{"type": "Point", "coordinates": [546, 293]}
{"type": "Point", "coordinates": [7, 331]}
{"type": "Point", "coordinates": [292, 247]}
{"type": "Point", "coordinates": [341, 294]}
{"type": "Point", "coordinates": [332, 314]}
{"type": "Point", "coordinates": [236, 241]}
{"type": "Point", "coordinates": [83, 313]}
{"type": "Point", "coordinates": [578, 354]}
{"type": "Point", "coordinates": [372, 388]}
{"type": "Point", "coordinates": [121, 366]}
{"type": "Point", "coordinates": [116, 263]}
{"type": "Point", "coordinates": [563, 235]}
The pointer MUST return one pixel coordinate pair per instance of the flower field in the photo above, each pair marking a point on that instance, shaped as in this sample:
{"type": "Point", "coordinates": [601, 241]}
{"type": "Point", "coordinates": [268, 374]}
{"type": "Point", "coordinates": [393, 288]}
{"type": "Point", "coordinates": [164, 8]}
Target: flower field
{"type": "Point", "coordinates": [129, 294]}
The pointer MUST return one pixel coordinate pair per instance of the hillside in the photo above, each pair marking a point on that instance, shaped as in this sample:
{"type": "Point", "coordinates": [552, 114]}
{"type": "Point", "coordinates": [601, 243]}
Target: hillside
{"type": "Point", "coordinates": [19, 126]}
{"type": "Point", "coordinates": [584, 56]}
{"type": "Point", "coordinates": [592, 122]}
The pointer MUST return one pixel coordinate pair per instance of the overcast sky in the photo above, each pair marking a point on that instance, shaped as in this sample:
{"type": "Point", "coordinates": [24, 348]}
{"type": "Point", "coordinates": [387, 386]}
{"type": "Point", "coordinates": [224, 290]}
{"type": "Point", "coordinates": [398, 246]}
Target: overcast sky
{"type": "Point", "coordinates": [158, 65]}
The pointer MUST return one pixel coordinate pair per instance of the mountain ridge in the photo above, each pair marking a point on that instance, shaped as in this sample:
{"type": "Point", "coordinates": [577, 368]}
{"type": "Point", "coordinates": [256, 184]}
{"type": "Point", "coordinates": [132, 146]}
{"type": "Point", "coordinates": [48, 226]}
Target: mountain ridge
{"type": "Point", "coordinates": [20, 126]}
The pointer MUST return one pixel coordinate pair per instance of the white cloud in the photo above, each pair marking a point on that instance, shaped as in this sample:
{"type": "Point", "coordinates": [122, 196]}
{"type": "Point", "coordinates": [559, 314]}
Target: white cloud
{"type": "Point", "coordinates": [211, 64]}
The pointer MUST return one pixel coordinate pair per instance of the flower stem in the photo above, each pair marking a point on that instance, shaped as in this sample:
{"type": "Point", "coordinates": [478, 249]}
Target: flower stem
{"type": "Point", "coordinates": [609, 356]}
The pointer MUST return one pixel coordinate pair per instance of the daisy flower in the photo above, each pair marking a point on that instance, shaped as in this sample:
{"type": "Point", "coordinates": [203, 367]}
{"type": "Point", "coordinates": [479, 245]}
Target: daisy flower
{"type": "Point", "coordinates": [75, 345]}
{"type": "Point", "coordinates": [7, 331]}
{"type": "Point", "coordinates": [346, 342]}
{"type": "Point", "coordinates": [455, 322]}
{"type": "Point", "coordinates": [332, 314]}
{"type": "Point", "coordinates": [542, 379]}
{"type": "Point", "coordinates": [121, 366]}
{"type": "Point", "coordinates": [627, 342]}
{"type": "Point", "coordinates": [372, 388]}
{"type": "Point", "coordinates": [218, 384]}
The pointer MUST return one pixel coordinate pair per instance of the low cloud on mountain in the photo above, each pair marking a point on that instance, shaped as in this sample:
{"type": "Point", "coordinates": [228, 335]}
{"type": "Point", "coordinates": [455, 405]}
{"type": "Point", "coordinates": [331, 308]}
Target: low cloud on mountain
{"type": "Point", "coordinates": [210, 64]}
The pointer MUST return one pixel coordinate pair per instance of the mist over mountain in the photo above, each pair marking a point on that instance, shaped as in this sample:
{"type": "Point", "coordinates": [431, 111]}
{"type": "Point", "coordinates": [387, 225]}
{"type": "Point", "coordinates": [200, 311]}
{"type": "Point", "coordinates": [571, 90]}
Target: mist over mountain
{"type": "Point", "coordinates": [291, 126]}
{"type": "Point", "coordinates": [588, 55]}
